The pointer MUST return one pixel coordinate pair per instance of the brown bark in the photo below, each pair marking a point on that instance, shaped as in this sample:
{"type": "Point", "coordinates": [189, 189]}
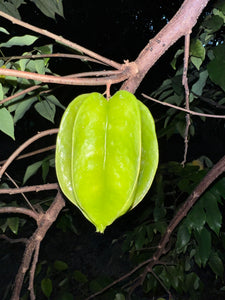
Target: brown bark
{"type": "Point", "coordinates": [180, 25]}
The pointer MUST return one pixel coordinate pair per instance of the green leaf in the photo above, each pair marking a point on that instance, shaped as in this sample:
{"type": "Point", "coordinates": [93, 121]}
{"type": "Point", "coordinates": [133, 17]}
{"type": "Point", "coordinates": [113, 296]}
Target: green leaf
{"type": "Point", "coordinates": [163, 275]}
{"type": "Point", "coordinates": [45, 169]}
{"type": "Point", "coordinates": [219, 188]}
{"type": "Point", "coordinates": [65, 296]}
{"type": "Point", "coordinates": [3, 29]}
{"type": "Point", "coordinates": [1, 92]}
{"type": "Point", "coordinates": [80, 277]}
{"type": "Point", "coordinates": [150, 283]}
{"type": "Point", "coordinates": [30, 66]}
{"type": "Point", "coordinates": [197, 62]}
{"type": "Point", "coordinates": [14, 103]}
{"type": "Point", "coordinates": [23, 62]}
{"type": "Point", "coordinates": [174, 99]}
{"type": "Point", "coordinates": [174, 61]}
{"type": "Point", "coordinates": [95, 286]}
{"type": "Point", "coordinates": [31, 170]}
{"type": "Point", "coordinates": [204, 242]}
{"type": "Point", "coordinates": [55, 101]}
{"type": "Point", "coordinates": [40, 66]}
{"type": "Point", "coordinates": [198, 86]}
{"type": "Point", "coordinates": [16, 3]}
{"type": "Point", "coordinates": [164, 86]}
{"type": "Point", "coordinates": [216, 67]}
{"type": "Point", "coordinates": [46, 109]}
{"type": "Point", "coordinates": [23, 107]}
{"type": "Point", "coordinates": [10, 9]}
{"type": "Point", "coordinates": [119, 297]}
{"type": "Point", "coordinates": [6, 122]}
{"type": "Point", "coordinates": [197, 49]}
{"type": "Point", "coordinates": [177, 85]}
{"type": "Point", "coordinates": [140, 239]}
{"type": "Point", "coordinates": [159, 213]}
{"type": "Point", "coordinates": [213, 214]}
{"type": "Point", "coordinates": [13, 224]}
{"type": "Point", "coordinates": [60, 265]}
{"type": "Point", "coordinates": [216, 264]}
{"type": "Point", "coordinates": [65, 223]}
{"type": "Point", "coordinates": [219, 13]}
{"type": "Point", "coordinates": [50, 8]}
{"type": "Point", "coordinates": [213, 23]}
{"type": "Point", "coordinates": [197, 217]}
{"type": "Point", "coordinates": [159, 227]}
{"type": "Point", "coordinates": [25, 40]}
{"type": "Point", "coordinates": [191, 281]}
{"type": "Point", "coordinates": [174, 276]}
{"type": "Point", "coordinates": [46, 287]}
{"type": "Point", "coordinates": [46, 49]}
{"type": "Point", "coordinates": [183, 236]}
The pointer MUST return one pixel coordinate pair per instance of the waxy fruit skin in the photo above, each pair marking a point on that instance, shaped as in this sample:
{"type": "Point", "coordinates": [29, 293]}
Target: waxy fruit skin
{"type": "Point", "coordinates": [106, 155]}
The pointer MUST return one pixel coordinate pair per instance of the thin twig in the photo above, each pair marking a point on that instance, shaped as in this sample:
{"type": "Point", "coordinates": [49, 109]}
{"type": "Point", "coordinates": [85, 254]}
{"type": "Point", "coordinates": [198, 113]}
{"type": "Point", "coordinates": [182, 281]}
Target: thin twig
{"type": "Point", "coordinates": [53, 55]}
{"type": "Point", "coordinates": [61, 40]}
{"type": "Point", "coordinates": [13, 241]}
{"type": "Point", "coordinates": [25, 145]}
{"type": "Point", "coordinates": [32, 270]}
{"type": "Point", "coordinates": [186, 88]}
{"type": "Point", "coordinates": [27, 189]}
{"type": "Point", "coordinates": [96, 73]}
{"type": "Point", "coordinates": [194, 113]}
{"type": "Point", "coordinates": [44, 223]}
{"type": "Point", "coordinates": [32, 153]}
{"type": "Point", "coordinates": [209, 101]}
{"type": "Point", "coordinates": [102, 74]}
{"type": "Point", "coordinates": [120, 279]}
{"type": "Point", "coordinates": [162, 283]}
{"type": "Point", "coordinates": [24, 196]}
{"type": "Point", "coordinates": [32, 88]}
{"type": "Point", "coordinates": [19, 210]}
{"type": "Point", "coordinates": [67, 79]}
{"type": "Point", "coordinates": [210, 177]}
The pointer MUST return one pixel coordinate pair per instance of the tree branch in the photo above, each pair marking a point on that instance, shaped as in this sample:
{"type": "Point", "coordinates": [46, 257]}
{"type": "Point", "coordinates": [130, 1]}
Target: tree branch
{"type": "Point", "coordinates": [19, 210]}
{"type": "Point", "coordinates": [53, 55]}
{"type": "Point", "coordinates": [69, 80]}
{"type": "Point", "coordinates": [194, 113]}
{"type": "Point", "coordinates": [23, 146]}
{"type": "Point", "coordinates": [61, 40]}
{"type": "Point", "coordinates": [180, 25]}
{"type": "Point", "coordinates": [187, 92]}
{"type": "Point", "coordinates": [32, 153]}
{"type": "Point", "coordinates": [26, 91]}
{"type": "Point", "coordinates": [33, 245]}
{"type": "Point", "coordinates": [210, 177]}
{"type": "Point", "coordinates": [27, 189]}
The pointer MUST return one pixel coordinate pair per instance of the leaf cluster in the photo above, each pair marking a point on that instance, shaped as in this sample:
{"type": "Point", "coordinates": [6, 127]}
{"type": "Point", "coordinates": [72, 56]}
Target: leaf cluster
{"type": "Point", "coordinates": [206, 76]}
{"type": "Point", "coordinates": [43, 101]}
{"type": "Point", "coordinates": [48, 8]}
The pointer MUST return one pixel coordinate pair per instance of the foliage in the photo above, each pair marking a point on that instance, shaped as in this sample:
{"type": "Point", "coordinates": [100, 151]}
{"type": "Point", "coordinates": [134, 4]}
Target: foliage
{"type": "Point", "coordinates": [196, 245]}
{"type": "Point", "coordinates": [44, 102]}
{"type": "Point", "coordinates": [206, 76]}
{"type": "Point", "coordinates": [193, 268]}
{"type": "Point", "coordinates": [49, 8]}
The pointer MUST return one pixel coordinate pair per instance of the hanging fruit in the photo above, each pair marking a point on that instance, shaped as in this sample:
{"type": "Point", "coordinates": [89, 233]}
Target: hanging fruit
{"type": "Point", "coordinates": [106, 155]}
